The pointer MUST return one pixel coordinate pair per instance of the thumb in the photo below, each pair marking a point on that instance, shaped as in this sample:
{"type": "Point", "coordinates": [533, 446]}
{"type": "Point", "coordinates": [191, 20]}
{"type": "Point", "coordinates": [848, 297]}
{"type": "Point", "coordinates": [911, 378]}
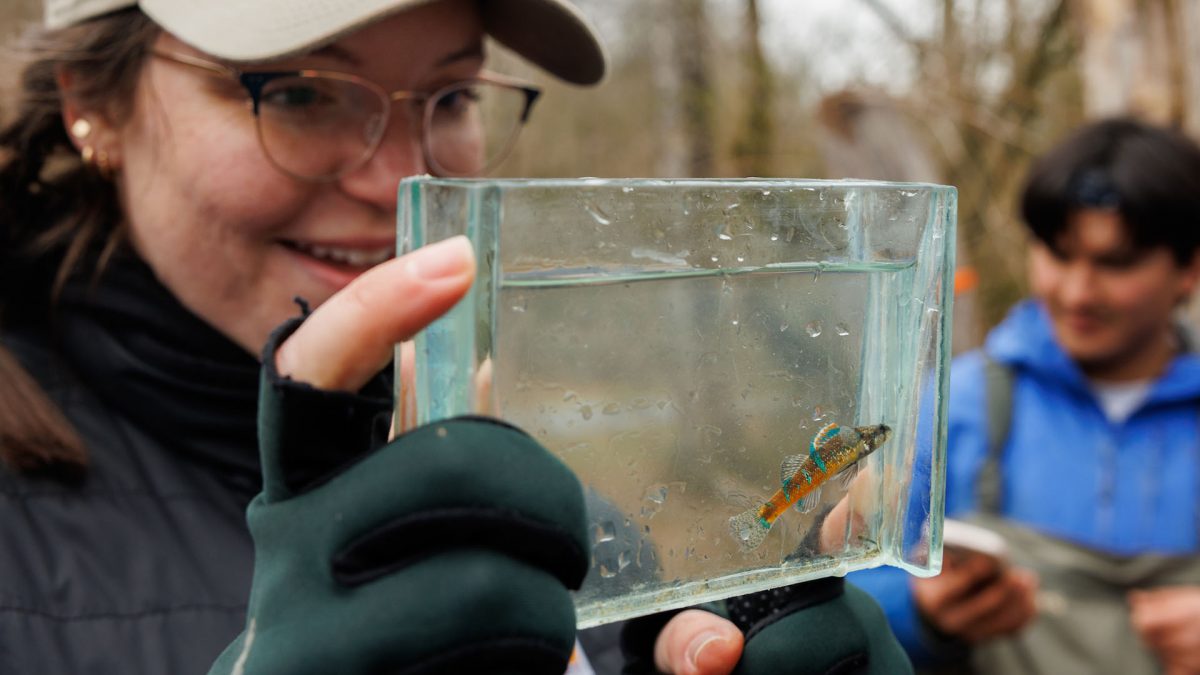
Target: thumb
{"type": "Point", "coordinates": [351, 336]}
{"type": "Point", "coordinates": [696, 642]}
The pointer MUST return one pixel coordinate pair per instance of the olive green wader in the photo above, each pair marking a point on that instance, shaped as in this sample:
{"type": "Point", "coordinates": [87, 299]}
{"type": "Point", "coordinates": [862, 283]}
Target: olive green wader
{"type": "Point", "coordinates": [1083, 620]}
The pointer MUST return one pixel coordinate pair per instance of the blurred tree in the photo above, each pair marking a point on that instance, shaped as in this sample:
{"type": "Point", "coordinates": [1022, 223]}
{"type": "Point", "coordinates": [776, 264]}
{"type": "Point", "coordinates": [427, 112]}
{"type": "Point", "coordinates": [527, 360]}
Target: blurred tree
{"type": "Point", "coordinates": [752, 150]}
{"type": "Point", "coordinates": [995, 84]}
{"type": "Point", "coordinates": [1142, 57]}
{"type": "Point", "coordinates": [696, 91]}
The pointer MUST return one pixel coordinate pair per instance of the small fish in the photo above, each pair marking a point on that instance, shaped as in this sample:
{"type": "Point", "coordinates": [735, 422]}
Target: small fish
{"type": "Point", "coordinates": [833, 450]}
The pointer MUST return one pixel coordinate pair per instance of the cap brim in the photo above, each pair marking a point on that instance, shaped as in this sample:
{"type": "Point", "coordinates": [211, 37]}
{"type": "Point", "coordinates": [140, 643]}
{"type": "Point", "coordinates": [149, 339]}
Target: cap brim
{"type": "Point", "coordinates": [549, 33]}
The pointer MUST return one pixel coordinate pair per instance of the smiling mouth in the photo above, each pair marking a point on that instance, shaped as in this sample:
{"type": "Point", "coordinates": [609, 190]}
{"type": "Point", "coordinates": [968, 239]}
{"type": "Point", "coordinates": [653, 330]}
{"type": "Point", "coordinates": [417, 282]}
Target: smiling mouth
{"type": "Point", "coordinates": [343, 256]}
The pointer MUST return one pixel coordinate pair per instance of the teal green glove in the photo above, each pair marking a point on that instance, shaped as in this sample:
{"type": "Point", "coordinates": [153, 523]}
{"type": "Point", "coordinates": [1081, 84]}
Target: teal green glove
{"type": "Point", "coordinates": [824, 627]}
{"type": "Point", "coordinates": [448, 550]}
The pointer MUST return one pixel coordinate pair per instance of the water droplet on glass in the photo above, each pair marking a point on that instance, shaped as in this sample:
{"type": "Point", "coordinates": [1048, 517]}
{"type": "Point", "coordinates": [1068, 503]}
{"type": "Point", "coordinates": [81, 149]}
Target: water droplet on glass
{"type": "Point", "coordinates": [783, 327]}
{"type": "Point", "coordinates": [818, 414]}
{"type": "Point", "coordinates": [598, 214]}
{"type": "Point", "coordinates": [603, 532]}
{"type": "Point", "coordinates": [623, 560]}
{"type": "Point", "coordinates": [715, 259]}
{"type": "Point", "coordinates": [611, 409]}
{"type": "Point", "coordinates": [441, 432]}
{"type": "Point", "coordinates": [518, 308]}
{"type": "Point", "coordinates": [842, 329]}
{"type": "Point", "coordinates": [745, 533]}
{"type": "Point", "coordinates": [741, 258]}
{"type": "Point", "coordinates": [734, 322]}
{"type": "Point", "coordinates": [813, 329]}
{"type": "Point", "coordinates": [627, 189]}
{"type": "Point", "coordinates": [774, 237]}
{"type": "Point", "coordinates": [605, 572]}
{"type": "Point", "coordinates": [766, 193]}
{"type": "Point", "coordinates": [586, 411]}
{"type": "Point", "coordinates": [657, 493]}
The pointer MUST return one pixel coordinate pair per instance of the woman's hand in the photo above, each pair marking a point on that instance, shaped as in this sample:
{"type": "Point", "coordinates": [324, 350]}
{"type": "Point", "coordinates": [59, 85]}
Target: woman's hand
{"type": "Point", "coordinates": [1168, 621]}
{"type": "Point", "coordinates": [373, 556]}
{"type": "Point", "coordinates": [976, 598]}
{"type": "Point", "coordinates": [351, 337]}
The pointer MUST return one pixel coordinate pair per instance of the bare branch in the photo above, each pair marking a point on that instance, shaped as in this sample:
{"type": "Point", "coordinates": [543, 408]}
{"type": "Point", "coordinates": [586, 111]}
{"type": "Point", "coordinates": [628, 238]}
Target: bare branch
{"type": "Point", "coordinates": [892, 22]}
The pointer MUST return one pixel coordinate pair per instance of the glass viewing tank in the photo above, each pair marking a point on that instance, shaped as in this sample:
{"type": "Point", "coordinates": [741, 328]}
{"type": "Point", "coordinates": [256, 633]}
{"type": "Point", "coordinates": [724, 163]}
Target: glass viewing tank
{"type": "Point", "coordinates": [693, 349]}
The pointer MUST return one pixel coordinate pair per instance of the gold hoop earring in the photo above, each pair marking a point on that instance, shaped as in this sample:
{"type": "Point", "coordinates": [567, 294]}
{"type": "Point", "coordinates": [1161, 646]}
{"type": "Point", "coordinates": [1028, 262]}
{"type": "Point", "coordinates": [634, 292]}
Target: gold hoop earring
{"type": "Point", "coordinates": [103, 165]}
{"type": "Point", "coordinates": [98, 161]}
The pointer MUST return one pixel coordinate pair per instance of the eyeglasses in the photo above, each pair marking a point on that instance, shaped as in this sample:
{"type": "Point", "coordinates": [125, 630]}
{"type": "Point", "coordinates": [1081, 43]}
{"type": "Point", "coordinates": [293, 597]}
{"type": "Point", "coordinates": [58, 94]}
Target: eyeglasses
{"type": "Point", "coordinates": [318, 125]}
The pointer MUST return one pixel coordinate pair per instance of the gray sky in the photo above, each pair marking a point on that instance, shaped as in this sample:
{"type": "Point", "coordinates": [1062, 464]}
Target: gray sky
{"type": "Point", "coordinates": [843, 39]}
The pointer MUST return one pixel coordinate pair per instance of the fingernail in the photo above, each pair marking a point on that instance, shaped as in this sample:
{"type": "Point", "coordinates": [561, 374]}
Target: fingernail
{"type": "Point", "coordinates": [698, 645]}
{"type": "Point", "coordinates": [448, 258]}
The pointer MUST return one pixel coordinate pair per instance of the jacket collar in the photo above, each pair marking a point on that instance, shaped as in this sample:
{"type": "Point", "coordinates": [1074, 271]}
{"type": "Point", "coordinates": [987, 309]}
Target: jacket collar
{"type": "Point", "coordinates": [1025, 340]}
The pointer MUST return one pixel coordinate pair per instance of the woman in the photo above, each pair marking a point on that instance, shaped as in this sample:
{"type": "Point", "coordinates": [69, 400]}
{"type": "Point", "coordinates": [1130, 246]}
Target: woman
{"type": "Point", "coordinates": [164, 195]}
{"type": "Point", "coordinates": [180, 177]}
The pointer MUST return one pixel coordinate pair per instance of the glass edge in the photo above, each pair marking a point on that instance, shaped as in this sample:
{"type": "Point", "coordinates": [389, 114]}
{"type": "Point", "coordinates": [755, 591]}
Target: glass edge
{"type": "Point", "coordinates": [937, 502]}
{"type": "Point", "coordinates": [510, 183]}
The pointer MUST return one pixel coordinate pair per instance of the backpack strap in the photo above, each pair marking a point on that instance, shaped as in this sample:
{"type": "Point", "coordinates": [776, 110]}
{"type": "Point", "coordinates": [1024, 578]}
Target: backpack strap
{"type": "Point", "coordinates": [989, 485]}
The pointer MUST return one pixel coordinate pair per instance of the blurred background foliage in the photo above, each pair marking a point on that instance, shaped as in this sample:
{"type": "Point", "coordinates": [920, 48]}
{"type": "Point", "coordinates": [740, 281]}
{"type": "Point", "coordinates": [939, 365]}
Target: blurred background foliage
{"type": "Point", "coordinates": [962, 92]}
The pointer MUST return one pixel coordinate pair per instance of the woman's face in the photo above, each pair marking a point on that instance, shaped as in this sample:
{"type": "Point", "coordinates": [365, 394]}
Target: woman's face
{"type": "Point", "coordinates": [233, 238]}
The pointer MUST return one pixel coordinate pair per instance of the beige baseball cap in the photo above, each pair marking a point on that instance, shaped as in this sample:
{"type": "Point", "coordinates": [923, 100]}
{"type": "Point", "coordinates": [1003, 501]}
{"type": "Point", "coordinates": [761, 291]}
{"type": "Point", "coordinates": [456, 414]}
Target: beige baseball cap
{"type": "Point", "coordinates": [550, 33]}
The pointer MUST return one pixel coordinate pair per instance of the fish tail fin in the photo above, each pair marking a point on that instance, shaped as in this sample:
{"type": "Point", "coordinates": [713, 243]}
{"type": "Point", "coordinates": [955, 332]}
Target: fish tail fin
{"type": "Point", "coordinates": [749, 529]}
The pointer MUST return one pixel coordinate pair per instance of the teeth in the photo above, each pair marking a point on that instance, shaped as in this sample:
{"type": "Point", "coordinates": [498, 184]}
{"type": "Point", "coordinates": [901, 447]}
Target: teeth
{"type": "Point", "coordinates": [355, 257]}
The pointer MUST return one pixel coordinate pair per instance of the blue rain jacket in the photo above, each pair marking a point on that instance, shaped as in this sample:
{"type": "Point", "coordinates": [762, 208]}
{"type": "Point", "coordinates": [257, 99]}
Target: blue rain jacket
{"type": "Point", "coordinates": [1067, 470]}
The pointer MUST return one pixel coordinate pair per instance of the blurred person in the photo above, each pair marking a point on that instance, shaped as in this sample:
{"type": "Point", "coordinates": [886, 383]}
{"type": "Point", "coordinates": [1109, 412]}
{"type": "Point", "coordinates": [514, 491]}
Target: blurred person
{"type": "Point", "coordinates": [178, 182]}
{"type": "Point", "coordinates": [1075, 433]}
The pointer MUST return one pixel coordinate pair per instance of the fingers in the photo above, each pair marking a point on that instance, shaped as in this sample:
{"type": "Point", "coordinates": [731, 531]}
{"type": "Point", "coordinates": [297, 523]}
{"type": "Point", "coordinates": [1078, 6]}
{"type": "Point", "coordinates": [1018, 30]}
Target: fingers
{"type": "Point", "coordinates": [1168, 621]}
{"type": "Point", "coordinates": [406, 403]}
{"type": "Point", "coordinates": [483, 388]}
{"type": "Point", "coordinates": [845, 523]}
{"type": "Point", "coordinates": [349, 338]}
{"type": "Point", "coordinates": [406, 406]}
{"type": "Point", "coordinates": [974, 605]}
{"type": "Point", "coordinates": [958, 579]}
{"type": "Point", "coordinates": [696, 642]}
{"type": "Point", "coordinates": [1012, 606]}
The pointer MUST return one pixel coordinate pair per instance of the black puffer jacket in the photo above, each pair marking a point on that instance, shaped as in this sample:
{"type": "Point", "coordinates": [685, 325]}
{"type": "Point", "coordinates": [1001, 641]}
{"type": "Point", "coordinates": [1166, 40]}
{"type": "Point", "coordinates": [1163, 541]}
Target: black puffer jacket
{"type": "Point", "coordinates": [144, 567]}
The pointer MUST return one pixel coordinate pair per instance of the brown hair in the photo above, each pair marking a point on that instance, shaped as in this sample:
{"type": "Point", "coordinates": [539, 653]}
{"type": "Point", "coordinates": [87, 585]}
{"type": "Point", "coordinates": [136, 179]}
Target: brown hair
{"type": "Point", "coordinates": [59, 218]}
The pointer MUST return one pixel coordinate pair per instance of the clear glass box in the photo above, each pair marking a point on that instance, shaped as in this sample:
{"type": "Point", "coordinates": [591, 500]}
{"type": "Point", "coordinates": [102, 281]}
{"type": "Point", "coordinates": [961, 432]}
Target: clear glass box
{"type": "Point", "coordinates": [673, 341]}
